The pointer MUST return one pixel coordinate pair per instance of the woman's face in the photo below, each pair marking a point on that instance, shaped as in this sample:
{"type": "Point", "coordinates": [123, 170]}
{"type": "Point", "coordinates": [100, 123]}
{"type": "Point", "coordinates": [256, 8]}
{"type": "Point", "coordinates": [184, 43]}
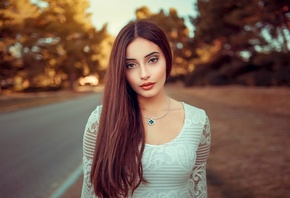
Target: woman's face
{"type": "Point", "coordinates": [146, 67]}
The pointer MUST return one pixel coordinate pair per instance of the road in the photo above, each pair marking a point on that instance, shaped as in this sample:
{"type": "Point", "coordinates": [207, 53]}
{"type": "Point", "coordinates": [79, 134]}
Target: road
{"type": "Point", "coordinates": [40, 147]}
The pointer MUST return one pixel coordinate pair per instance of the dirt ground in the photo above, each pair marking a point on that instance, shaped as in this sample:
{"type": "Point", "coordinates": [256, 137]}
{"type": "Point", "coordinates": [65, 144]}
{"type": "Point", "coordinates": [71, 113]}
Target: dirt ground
{"type": "Point", "coordinates": [250, 150]}
{"type": "Point", "coordinates": [250, 153]}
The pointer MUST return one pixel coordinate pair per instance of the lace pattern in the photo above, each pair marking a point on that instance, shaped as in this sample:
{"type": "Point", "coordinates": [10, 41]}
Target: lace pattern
{"type": "Point", "coordinates": [89, 141]}
{"type": "Point", "coordinates": [176, 169]}
{"type": "Point", "coordinates": [199, 172]}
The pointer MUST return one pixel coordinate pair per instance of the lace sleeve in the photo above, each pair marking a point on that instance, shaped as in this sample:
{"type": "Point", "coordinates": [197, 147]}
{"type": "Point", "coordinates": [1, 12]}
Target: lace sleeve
{"type": "Point", "coordinates": [89, 141]}
{"type": "Point", "coordinates": [199, 170]}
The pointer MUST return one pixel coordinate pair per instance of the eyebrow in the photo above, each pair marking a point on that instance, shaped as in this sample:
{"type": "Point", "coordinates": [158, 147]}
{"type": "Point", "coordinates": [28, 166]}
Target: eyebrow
{"type": "Point", "coordinates": [144, 56]}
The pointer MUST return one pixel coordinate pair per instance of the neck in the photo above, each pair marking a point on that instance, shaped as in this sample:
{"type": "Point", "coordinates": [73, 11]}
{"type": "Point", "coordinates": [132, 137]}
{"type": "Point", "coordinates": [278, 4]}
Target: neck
{"type": "Point", "coordinates": [153, 106]}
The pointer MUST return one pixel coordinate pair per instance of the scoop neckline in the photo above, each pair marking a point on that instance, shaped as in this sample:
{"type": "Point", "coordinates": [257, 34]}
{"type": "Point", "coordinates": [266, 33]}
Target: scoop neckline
{"type": "Point", "coordinates": [179, 134]}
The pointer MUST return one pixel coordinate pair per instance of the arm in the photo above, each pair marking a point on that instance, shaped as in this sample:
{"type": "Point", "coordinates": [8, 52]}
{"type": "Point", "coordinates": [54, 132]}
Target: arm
{"type": "Point", "coordinates": [199, 170]}
{"type": "Point", "coordinates": [89, 141]}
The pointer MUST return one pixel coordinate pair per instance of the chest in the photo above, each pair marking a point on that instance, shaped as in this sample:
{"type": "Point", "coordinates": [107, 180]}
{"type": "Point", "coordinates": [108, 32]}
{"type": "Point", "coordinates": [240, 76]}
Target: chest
{"type": "Point", "coordinates": [166, 129]}
{"type": "Point", "coordinates": [172, 162]}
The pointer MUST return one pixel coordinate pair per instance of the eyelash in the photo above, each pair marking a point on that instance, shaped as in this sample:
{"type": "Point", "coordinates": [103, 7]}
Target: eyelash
{"type": "Point", "coordinates": [130, 65]}
{"type": "Point", "coordinates": [151, 60]}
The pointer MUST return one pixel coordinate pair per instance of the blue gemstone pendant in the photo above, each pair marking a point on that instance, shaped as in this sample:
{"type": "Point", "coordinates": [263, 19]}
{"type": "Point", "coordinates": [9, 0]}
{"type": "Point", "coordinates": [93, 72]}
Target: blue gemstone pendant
{"type": "Point", "coordinates": [151, 122]}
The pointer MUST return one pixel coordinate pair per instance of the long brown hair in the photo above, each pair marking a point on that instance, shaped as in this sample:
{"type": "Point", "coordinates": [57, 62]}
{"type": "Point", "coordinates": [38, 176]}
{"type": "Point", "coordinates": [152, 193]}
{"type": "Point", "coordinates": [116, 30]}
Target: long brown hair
{"type": "Point", "coordinates": [117, 168]}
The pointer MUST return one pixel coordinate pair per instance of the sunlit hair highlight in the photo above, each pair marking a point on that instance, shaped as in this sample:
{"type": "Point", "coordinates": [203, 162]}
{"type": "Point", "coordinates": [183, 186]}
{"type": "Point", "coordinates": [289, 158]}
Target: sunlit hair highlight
{"type": "Point", "coordinates": [117, 168]}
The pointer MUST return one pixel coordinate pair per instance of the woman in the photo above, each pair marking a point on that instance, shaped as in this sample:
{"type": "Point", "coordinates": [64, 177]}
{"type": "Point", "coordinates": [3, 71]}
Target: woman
{"type": "Point", "coordinates": [140, 142]}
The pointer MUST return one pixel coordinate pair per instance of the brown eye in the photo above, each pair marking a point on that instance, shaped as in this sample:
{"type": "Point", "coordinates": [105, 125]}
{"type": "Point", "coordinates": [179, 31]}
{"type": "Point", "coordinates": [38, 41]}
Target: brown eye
{"type": "Point", "coordinates": [130, 65]}
{"type": "Point", "coordinates": [153, 60]}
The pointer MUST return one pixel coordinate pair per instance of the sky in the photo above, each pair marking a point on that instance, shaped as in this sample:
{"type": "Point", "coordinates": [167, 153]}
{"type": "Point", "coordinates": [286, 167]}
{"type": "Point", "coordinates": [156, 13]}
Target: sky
{"type": "Point", "coordinates": [118, 13]}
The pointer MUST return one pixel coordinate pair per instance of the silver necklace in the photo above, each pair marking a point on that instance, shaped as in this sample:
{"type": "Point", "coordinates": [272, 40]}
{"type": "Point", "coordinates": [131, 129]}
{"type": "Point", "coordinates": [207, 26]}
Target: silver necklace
{"type": "Point", "coordinates": [151, 120]}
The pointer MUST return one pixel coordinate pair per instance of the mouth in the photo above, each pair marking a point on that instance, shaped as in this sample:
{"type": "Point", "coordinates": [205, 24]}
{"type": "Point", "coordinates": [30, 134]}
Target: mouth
{"type": "Point", "coordinates": [147, 86]}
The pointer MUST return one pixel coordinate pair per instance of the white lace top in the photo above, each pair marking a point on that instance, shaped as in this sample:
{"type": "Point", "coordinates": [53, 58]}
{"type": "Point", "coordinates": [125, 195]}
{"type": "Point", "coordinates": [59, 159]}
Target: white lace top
{"type": "Point", "coordinates": [176, 169]}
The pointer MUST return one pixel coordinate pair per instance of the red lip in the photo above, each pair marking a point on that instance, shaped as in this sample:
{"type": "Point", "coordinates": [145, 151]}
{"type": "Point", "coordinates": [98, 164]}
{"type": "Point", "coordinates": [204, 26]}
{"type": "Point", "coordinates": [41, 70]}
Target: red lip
{"type": "Point", "coordinates": [147, 86]}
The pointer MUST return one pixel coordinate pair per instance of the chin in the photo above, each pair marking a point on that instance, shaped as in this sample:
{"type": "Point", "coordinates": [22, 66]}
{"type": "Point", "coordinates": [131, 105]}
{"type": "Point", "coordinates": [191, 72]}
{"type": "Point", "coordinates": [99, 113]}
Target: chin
{"type": "Point", "coordinates": [148, 94]}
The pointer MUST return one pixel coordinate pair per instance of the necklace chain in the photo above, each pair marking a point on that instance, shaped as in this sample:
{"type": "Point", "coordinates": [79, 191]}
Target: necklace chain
{"type": "Point", "coordinates": [151, 120]}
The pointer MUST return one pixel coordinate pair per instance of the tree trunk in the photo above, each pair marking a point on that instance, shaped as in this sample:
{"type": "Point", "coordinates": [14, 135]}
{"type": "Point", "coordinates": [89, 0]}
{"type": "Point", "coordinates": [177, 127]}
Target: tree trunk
{"type": "Point", "coordinates": [71, 72]}
{"type": "Point", "coordinates": [283, 26]}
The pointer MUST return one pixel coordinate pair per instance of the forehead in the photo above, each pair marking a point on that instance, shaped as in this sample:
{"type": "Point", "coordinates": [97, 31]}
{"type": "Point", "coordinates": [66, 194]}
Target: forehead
{"type": "Point", "coordinates": [140, 48]}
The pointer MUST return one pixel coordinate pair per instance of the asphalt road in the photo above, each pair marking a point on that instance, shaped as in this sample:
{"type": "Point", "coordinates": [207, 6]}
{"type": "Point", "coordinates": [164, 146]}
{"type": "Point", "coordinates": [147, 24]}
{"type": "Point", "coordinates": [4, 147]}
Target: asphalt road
{"type": "Point", "coordinates": [40, 147]}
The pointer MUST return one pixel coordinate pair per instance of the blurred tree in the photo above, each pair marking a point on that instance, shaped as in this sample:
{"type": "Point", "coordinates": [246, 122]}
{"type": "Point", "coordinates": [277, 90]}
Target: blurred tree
{"type": "Point", "coordinates": [68, 23]}
{"type": "Point", "coordinates": [177, 34]}
{"type": "Point", "coordinates": [275, 18]}
{"type": "Point", "coordinates": [239, 25]}
{"type": "Point", "coordinates": [14, 16]}
{"type": "Point", "coordinates": [230, 34]}
{"type": "Point", "coordinates": [50, 42]}
{"type": "Point", "coordinates": [224, 22]}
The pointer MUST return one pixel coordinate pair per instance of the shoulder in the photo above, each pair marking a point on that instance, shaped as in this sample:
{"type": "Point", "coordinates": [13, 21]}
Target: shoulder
{"type": "Point", "coordinates": [195, 114]}
{"type": "Point", "coordinates": [93, 120]}
{"type": "Point", "coordinates": [96, 113]}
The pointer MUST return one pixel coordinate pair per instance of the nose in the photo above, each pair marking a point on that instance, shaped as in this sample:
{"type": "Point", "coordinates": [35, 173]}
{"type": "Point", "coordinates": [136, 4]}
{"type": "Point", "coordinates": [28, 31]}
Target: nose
{"type": "Point", "coordinates": [144, 73]}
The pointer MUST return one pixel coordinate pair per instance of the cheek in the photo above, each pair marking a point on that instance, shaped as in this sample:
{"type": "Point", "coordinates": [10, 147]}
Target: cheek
{"type": "Point", "coordinates": [162, 70]}
{"type": "Point", "coordinates": [130, 78]}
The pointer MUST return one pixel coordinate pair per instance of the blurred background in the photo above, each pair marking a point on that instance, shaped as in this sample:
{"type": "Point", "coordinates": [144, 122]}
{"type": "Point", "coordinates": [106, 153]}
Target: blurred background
{"type": "Point", "coordinates": [50, 45]}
